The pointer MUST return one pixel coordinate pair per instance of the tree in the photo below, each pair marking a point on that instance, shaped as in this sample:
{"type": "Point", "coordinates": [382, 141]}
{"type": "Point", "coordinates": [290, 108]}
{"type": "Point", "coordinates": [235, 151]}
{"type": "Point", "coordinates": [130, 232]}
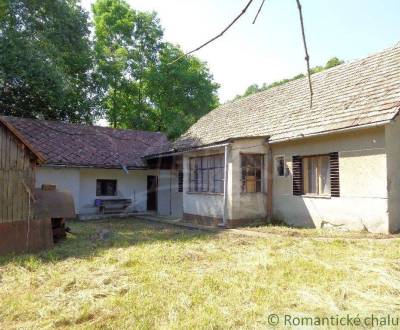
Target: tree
{"type": "Point", "coordinates": [142, 89]}
{"type": "Point", "coordinates": [334, 61]}
{"type": "Point", "coordinates": [252, 89]}
{"type": "Point", "coordinates": [46, 61]}
{"type": "Point", "coordinates": [181, 92]}
{"type": "Point", "coordinates": [127, 45]}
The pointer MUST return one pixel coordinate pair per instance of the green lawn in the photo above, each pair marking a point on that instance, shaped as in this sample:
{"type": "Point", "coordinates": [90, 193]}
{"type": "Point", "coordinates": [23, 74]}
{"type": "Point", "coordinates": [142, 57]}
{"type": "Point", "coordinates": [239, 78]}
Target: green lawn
{"type": "Point", "coordinates": [154, 276]}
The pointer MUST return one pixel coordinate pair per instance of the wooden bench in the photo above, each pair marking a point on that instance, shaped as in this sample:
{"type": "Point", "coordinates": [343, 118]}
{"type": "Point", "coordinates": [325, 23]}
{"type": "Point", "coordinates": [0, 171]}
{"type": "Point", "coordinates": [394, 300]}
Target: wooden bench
{"type": "Point", "coordinates": [112, 205]}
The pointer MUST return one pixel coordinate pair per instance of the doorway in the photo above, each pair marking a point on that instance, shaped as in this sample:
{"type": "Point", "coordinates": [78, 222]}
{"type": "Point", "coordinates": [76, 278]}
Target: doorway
{"type": "Point", "coordinates": [152, 188]}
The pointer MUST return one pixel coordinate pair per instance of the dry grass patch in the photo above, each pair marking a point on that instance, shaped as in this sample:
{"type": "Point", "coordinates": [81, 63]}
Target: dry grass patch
{"type": "Point", "coordinates": [153, 276]}
{"type": "Point", "coordinates": [285, 230]}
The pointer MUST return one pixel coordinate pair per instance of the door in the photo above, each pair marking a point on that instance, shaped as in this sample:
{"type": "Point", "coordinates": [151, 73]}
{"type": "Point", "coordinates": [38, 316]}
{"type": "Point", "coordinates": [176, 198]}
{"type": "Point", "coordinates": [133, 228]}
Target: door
{"type": "Point", "coordinates": [152, 184]}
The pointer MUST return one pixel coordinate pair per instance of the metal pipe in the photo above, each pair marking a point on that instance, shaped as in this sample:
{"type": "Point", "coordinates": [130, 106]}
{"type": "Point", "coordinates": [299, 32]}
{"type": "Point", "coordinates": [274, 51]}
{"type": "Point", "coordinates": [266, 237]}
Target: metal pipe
{"type": "Point", "coordinates": [270, 173]}
{"type": "Point", "coordinates": [187, 151]}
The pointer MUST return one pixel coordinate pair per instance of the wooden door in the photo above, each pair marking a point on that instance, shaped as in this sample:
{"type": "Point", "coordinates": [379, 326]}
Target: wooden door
{"type": "Point", "coordinates": [152, 187]}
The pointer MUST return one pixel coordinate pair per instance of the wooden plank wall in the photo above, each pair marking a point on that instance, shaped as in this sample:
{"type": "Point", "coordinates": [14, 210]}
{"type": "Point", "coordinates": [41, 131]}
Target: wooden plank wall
{"type": "Point", "coordinates": [16, 179]}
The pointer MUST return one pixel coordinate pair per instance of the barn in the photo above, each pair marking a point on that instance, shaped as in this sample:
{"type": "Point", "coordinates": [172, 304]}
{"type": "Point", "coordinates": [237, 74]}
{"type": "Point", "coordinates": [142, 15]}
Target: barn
{"type": "Point", "coordinates": [20, 230]}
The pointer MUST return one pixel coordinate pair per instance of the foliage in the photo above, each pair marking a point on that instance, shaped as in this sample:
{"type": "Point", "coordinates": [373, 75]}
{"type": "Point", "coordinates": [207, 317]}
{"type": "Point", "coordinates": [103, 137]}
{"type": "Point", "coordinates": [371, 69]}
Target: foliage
{"type": "Point", "coordinates": [46, 61]}
{"type": "Point", "coordinates": [127, 44]}
{"type": "Point", "coordinates": [255, 88]}
{"type": "Point", "coordinates": [181, 92]}
{"type": "Point", "coordinates": [142, 90]}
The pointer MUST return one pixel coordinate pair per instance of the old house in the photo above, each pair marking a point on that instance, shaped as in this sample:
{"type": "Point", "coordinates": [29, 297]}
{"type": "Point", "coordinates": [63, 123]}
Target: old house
{"type": "Point", "coordinates": [270, 154]}
{"type": "Point", "coordinates": [103, 168]}
{"type": "Point", "coordinates": [335, 164]}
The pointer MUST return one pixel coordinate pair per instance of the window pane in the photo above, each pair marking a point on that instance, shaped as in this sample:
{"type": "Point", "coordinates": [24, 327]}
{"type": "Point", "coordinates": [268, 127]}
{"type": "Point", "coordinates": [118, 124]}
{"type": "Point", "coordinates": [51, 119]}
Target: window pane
{"type": "Point", "coordinates": [317, 175]}
{"type": "Point", "coordinates": [204, 176]}
{"type": "Point", "coordinates": [280, 166]}
{"type": "Point", "coordinates": [210, 162]}
{"type": "Point", "coordinates": [312, 175]}
{"type": "Point", "coordinates": [251, 172]}
{"type": "Point", "coordinates": [251, 184]}
{"type": "Point", "coordinates": [257, 160]}
{"type": "Point", "coordinates": [219, 186]}
{"type": "Point", "coordinates": [211, 185]}
{"type": "Point", "coordinates": [325, 176]}
{"type": "Point", "coordinates": [258, 186]}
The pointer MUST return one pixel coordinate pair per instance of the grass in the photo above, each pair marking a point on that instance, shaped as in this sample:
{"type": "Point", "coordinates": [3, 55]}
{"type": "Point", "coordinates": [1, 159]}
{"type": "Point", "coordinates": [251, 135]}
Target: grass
{"type": "Point", "coordinates": [285, 230]}
{"type": "Point", "coordinates": [154, 276]}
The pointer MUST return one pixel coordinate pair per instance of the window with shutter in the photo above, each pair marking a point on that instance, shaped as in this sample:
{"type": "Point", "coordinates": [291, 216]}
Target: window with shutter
{"type": "Point", "coordinates": [335, 177]}
{"type": "Point", "coordinates": [316, 175]}
{"type": "Point", "coordinates": [180, 181]}
{"type": "Point", "coordinates": [297, 176]}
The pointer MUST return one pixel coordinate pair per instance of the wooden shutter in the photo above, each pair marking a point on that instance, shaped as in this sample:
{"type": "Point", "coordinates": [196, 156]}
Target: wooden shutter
{"type": "Point", "coordinates": [335, 178]}
{"type": "Point", "coordinates": [298, 188]}
{"type": "Point", "coordinates": [180, 181]}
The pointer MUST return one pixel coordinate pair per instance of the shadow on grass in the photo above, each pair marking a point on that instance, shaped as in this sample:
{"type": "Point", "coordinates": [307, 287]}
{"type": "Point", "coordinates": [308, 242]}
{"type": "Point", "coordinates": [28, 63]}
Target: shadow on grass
{"type": "Point", "coordinates": [85, 243]}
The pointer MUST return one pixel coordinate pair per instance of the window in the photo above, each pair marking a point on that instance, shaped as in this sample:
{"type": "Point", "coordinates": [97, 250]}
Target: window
{"type": "Point", "coordinates": [280, 165]}
{"type": "Point", "coordinates": [106, 187]}
{"type": "Point", "coordinates": [207, 174]}
{"type": "Point", "coordinates": [180, 181]}
{"type": "Point", "coordinates": [316, 177]}
{"type": "Point", "coordinates": [252, 173]}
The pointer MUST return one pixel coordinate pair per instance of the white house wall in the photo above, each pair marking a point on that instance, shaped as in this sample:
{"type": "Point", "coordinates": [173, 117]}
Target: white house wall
{"type": "Point", "coordinates": [240, 206]}
{"type": "Point", "coordinates": [363, 201]}
{"type": "Point", "coordinates": [392, 135]}
{"type": "Point", "coordinates": [132, 185]}
{"type": "Point", "coordinates": [81, 182]}
{"type": "Point", "coordinates": [66, 179]}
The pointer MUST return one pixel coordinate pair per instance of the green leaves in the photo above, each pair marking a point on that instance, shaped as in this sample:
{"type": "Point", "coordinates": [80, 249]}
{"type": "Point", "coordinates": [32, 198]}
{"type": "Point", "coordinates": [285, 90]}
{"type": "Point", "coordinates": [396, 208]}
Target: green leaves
{"type": "Point", "coordinates": [52, 68]}
{"type": "Point", "coordinates": [182, 92]}
{"type": "Point", "coordinates": [142, 90]}
{"type": "Point", "coordinates": [127, 44]}
{"type": "Point", "coordinates": [252, 89]}
{"type": "Point", "coordinates": [46, 61]}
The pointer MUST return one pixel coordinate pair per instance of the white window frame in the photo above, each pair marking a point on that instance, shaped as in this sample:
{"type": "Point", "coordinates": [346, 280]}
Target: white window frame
{"type": "Point", "coordinates": [318, 175]}
{"type": "Point", "coordinates": [262, 169]}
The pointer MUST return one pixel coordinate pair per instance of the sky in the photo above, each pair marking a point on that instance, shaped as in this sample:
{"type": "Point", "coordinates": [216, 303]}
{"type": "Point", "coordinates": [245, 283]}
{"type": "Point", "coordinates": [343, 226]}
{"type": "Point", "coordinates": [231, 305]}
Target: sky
{"type": "Point", "coordinates": [272, 49]}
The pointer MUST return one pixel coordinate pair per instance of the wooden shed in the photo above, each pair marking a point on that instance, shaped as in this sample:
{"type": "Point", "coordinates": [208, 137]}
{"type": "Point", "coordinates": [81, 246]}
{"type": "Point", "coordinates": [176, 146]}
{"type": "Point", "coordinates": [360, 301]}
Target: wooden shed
{"type": "Point", "coordinates": [19, 229]}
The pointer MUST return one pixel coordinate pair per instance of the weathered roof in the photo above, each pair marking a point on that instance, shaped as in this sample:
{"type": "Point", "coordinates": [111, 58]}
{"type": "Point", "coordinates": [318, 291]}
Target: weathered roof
{"type": "Point", "coordinates": [84, 145]}
{"type": "Point", "coordinates": [39, 158]}
{"type": "Point", "coordinates": [362, 92]}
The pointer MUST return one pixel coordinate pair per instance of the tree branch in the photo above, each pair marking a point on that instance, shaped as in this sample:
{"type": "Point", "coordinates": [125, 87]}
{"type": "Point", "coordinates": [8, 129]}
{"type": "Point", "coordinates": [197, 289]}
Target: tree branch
{"type": "Point", "coordinates": [218, 36]}
{"type": "Point", "coordinates": [307, 58]}
{"type": "Point", "coordinates": [258, 12]}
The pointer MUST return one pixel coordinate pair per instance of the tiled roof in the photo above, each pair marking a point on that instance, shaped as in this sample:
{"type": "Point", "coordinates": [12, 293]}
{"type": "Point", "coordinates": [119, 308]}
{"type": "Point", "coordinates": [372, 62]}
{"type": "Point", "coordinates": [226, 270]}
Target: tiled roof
{"type": "Point", "coordinates": [365, 91]}
{"type": "Point", "coordinates": [84, 145]}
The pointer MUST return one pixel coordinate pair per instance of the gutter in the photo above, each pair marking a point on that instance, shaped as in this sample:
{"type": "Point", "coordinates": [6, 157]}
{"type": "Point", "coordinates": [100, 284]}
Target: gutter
{"type": "Point", "coordinates": [166, 154]}
{"type": "Point", "coordinates": [339, 130]}
{"type": "Point", "coordinates": [92, 166]}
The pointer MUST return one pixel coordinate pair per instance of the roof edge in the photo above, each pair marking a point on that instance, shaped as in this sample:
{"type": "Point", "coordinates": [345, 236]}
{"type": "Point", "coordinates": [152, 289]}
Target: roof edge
{"type": "Point", "coordinates": [339, 130]}
{"type": "Point", "coordinates": [217, 144]}
{"type": "Point", "coordinates": [18, 135]}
